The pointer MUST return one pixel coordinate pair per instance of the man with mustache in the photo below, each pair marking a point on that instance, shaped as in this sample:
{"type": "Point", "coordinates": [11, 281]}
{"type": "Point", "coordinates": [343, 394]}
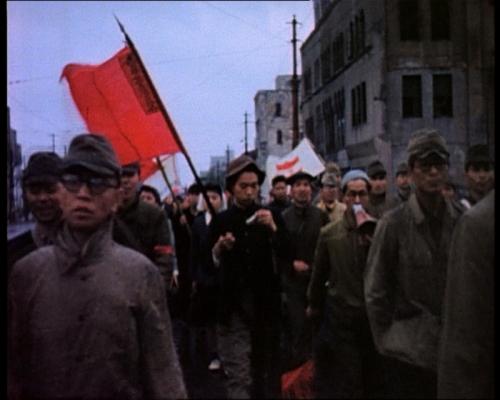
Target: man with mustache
{"type": "Point", "coordinates": [88, 317]}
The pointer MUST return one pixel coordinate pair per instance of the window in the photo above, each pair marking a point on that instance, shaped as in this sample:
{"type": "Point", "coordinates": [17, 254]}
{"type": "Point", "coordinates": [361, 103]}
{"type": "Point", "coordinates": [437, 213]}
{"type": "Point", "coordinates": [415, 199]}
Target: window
{"type": "Point", "coordinates": [350, 53]}
{"type": "Point", "coordinates": [361, 31]}
{"type": "Point", "coordinates": [358, 102]}
{"type": "Point", "coordinates": [440, 20]}
{"type": "Point", "coordinates": [442, 95]}
{"type": "Point", "coordinates": [412, 96]}
{"type": "Point", "coordinates": [338, 52]}
{"type": "Point", "coordinates": [409, 20]}
{"type": "Point", "coordinates": [277, 112]}
{"type": "Point", "coordinates": [319, 126]}
{"type": "Point", "coordinates": [310, 129]}
{"type": "Point", "coordinates": [307, 82]}
{"type": "Point", "coordinates": [325, 65]}
{"type": "Point", "coordinates": [316, 73]}
{"type": "Point", "coordinates": [279, 137]}
{"type": "Point", "coordinates": [329, 126]}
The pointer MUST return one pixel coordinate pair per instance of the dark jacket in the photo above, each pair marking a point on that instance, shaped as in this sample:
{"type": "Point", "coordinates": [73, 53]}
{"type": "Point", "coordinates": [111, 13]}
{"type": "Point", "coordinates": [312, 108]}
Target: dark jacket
{"type": "Point", "coordinates": [90, 321]}
{"type": "Point", "coordinates": [144, 228]}
{"type": "Point", "coordinates": [279, 206]}
{"type": "Point", "coordinates": [202, 266]}
{"type": "Point", "coordinates": [405, 280]}
{"type": "Point", "coordinates": [303, 225]}
{"type": "Point", "coordinates": [248, 275]}
{"type": "Point", "coordinates": [466, 362]}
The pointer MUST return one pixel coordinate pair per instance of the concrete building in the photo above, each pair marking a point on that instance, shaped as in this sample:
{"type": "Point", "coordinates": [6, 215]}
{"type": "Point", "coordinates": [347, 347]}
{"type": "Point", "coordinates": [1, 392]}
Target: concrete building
{"type": "Point", "coordinates": [273, 120]}
{"type": "Point", "coordinates": [14, 170]}
{"type": "Point", "coordinates": [373, 71]}
{"type": "Point", "coordinates": [217, 168]}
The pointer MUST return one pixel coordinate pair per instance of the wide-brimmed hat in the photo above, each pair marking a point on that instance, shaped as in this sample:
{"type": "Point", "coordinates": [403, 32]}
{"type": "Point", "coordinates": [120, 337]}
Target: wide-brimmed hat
{"type": "Point", "coordinates": [92, 152]}
{"type": "Point", "coordinates": [299, 175]}
{"type": "Point", "coordinates": [43, 167]}
{"type": "Point", "coordinates": [242, 164]}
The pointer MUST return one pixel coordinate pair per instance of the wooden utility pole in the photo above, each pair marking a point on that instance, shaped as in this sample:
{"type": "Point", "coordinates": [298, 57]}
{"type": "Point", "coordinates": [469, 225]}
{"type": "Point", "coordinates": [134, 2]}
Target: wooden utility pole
{"type": "Point", "coordinates": [295, 88]}
{"type": "Point", "coordinates": [53, 142]}
{"type": "Point", "coordinates": [246, 133]}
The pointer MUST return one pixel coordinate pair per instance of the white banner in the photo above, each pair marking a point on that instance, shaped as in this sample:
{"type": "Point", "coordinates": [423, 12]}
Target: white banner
{"type": "Point", "coordinates": [156, 180]}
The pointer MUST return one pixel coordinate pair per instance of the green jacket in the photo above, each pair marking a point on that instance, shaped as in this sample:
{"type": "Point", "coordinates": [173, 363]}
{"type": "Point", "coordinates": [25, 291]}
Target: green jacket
{"type": "Point", "coordinates": [144, 228]}
{"type": "Point", "coordinates": [339, 263]}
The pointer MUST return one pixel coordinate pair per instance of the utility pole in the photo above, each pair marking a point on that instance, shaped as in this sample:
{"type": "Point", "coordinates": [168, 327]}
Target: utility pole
{"type": "Point", "coordinates": [53, 142]}
{"type": "Point", "coordinates": [227, 156]}
{"type": "Point", "coordinates": [246, 133]}
{"type": "Point", "coordinates": [295, 88]}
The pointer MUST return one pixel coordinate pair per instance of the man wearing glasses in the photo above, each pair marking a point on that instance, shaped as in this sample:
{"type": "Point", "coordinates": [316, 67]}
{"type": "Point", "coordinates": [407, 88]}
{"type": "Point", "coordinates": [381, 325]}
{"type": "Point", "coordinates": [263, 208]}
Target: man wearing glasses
{"type": "Point", "coordinates": [406, 271]}
{"type": "Point", "coordinates": [346, 362]}
{"type": "Point", "coordinates": [41, 187]}
{"type": "Point", "coordinates": [88, 317]}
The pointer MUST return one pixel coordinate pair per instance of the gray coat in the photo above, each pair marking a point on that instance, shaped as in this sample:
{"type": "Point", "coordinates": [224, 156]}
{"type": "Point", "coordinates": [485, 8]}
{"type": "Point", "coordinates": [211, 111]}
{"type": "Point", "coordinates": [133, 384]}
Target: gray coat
{"type": "Point", "coordinates": [90, 322]}
{"type": "Point", "coordinates": [405, 280]}
{"type": "Point", "coordinates": [466, 362]}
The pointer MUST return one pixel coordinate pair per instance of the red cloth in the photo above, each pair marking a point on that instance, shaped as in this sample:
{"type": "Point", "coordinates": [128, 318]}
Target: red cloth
{"type": "Point", "coordinates": [297, 383]}
{"type": "Point", "coordinates": [115, 100]}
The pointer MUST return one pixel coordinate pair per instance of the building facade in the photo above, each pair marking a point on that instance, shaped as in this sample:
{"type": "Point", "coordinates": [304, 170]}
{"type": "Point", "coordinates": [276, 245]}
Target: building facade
{"type": "Point", "coordinates": [273, 120]}
{"type": "Point", "coordinates": [14, 169]}
{"type": "Point", "coordinates": [374, 71]}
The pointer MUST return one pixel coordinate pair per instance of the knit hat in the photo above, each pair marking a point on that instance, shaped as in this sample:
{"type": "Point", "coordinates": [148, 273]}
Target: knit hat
{"type": "Point", "coordinates": [93, 152]}
{"type": "Point", "coordinates": [425, 142]}
{"type": "Point", "coordinates": [43, 167]}
{"type": "Point", "coordinates": [299, 175]}
{"type": "Point", "coordinates": [375, 168]}
{"type": "Point", "coordinates": [352, 175]}
{"type": "Point", "coordinates": [329, 179]}
{"type": "Point", "coordinates": [239, 165]}
{"type": "Point", "coordinates": [402, 168]}
{"type": "Point", "coordinates": [478, 153]}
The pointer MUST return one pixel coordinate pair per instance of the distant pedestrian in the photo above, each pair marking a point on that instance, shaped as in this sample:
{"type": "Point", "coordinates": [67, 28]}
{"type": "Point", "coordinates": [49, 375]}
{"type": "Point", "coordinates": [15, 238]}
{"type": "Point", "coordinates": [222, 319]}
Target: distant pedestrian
{"type": "Point", "coordinates": [279, 194]}
{"type": "Point", "coordinates": [41, 191]}
{"type": "Point", "coordinates": [247, 239]}
{"type": "Point", "coordinates": [406, 271]}
{"type": "Point", "coordinates": [403, 184]}
{"type": "Point", "coordinates": [328, 197]}
{"type": "Point", "coordinates": [479, 174]}
{"type": "Point", "coordinates": [380, 201]}
{"type": "Point", "coordinates": [466, 359]}
{"type": "Point", "coordinates": [346, 362]}
{"type": "Point", "coordinates": [303, 222]}
{"type": "Point", "coordinates": [88, 317]}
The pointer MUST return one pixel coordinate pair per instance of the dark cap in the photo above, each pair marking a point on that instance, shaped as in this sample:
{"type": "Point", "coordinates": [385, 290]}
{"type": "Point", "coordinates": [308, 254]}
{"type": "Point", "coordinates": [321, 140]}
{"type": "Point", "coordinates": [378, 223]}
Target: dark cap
{"type": "Point", "coordinates": [242, 164]}
{"type": "Point", "coordinates": [299, 175]}
{"type": "Point", "coordinates": [92, 152]}
{"type": "Point", "coordinates": [478, 153]}
{"type": "Point", "coordinates": [43, 167]}
{"type": "Point", "coordinates": [425, 142]}
{"type": "Point", "coordinates": [402, 168]}
{"type": "Point", "coordinates": [131, 168]}
{"type": "Point", "coordinates": [194, 189]}
{"type": "Point", "coordinates": [328, 179]}
{"type": "Point", "coordinates": [333, 167]}
{"type": "Point", "coordinates": [375, 168]}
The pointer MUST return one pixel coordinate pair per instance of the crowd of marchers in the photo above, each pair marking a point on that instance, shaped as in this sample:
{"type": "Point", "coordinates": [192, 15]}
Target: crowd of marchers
{"type": "Point", "coordinates": [386, 296]}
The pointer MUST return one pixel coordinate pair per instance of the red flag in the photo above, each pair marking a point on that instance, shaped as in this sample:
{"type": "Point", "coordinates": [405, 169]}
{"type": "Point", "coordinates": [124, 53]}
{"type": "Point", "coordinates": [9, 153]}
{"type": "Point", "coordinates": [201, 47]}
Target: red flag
{"type": "Point", "coordinates": [115, 100]}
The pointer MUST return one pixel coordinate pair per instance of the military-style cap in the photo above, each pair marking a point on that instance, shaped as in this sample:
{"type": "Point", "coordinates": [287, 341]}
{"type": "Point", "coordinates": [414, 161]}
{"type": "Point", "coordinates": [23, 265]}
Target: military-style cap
{"type": "Point", "coordinates": [425, 142]}
{"type": "Point", "coordinates": [241, 164]}
{"type": "Point", "coordinates": [332, 167]}
{"type": "Point", "coordinates": [478, 153]}
{"type": "Point", "coordinates": [93, 152]}
{"type": "Point", "coordinates": [299, 175]}
{"type": "Point", "coordinates": [352, 175]}
{"type": "Point", "coordinates": [328, 179]}
{"type": "Point", "coordinates": [375, 168]}
{"type": "Point", "coordinates": [402, 168]}
{"type": "Point", "coordinates": [131, 168]}
{"type": "Point", "coordinates": [43, 167]}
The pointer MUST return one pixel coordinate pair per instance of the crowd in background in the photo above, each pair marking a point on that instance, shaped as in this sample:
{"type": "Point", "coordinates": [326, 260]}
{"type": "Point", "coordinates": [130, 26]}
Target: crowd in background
{"type": "Point", "coordinates": [385, 295]}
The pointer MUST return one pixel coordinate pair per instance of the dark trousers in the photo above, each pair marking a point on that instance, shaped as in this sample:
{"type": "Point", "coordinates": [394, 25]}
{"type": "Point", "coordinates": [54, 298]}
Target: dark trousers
{"type": "Point", "coordinates": [250, 357]}
{"type": "Point", "coordinates": [347, 364]}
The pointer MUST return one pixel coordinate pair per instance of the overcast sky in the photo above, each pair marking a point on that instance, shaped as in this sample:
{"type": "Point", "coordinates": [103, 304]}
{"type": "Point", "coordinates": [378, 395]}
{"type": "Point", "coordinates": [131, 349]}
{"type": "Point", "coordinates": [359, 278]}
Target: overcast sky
{"type": "Point", "coordinates": [207, 60]}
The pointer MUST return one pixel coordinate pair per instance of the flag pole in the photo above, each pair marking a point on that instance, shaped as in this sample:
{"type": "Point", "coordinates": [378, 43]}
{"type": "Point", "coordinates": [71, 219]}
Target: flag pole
{"type": "Point", "coordinates": [174, 198]}
{"type": "Point", "coordinates": [167, 118]}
